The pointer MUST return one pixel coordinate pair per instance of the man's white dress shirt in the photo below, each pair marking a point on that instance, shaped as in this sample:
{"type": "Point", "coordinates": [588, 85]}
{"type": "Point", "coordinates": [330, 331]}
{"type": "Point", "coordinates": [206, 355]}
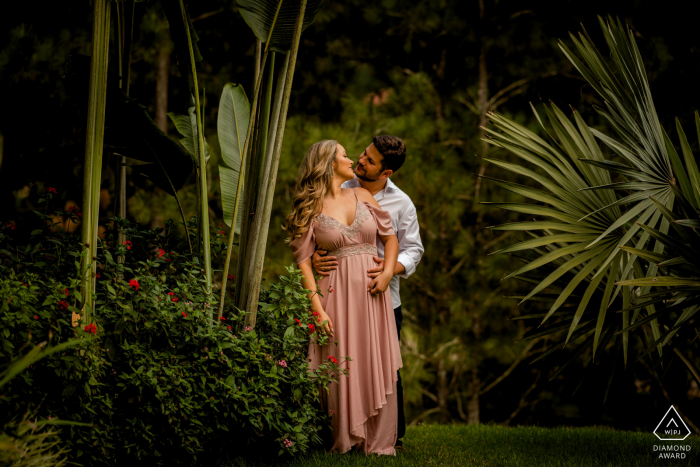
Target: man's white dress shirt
{"type": "Point", "coordinates": [405, 223]}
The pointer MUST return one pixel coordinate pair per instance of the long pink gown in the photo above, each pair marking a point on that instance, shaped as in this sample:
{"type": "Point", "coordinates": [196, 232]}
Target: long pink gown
{"type": "Point", "coordinates": [363, 404]}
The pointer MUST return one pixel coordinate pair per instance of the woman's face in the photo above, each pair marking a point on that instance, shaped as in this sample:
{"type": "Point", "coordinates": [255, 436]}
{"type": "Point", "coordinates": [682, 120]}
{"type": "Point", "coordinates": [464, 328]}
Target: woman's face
{"type": "Point", "coordinates": [343, 165]}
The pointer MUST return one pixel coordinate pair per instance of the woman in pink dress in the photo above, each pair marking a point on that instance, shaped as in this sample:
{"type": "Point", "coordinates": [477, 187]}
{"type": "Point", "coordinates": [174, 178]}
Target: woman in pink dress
{"type": "Point", "coordinates": [356, 309]}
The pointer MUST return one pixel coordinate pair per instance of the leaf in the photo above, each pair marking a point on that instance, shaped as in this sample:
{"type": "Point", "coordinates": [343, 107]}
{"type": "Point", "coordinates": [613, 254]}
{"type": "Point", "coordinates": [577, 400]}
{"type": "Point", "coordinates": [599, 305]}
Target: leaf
{"type": "Point", "coordinates": [186, 125]}
{"type": "Point", "coordinates": [260, 15]}
{"type": "Point", "coordinates": [36, 354]}
{"type": "Point", "coordinates": [130, 130]}
{"type": "Point", "coordinates": [232, 125]}
{"type": "Point", "coordinates": [660, 281]}
{"type": "Point", "coordinates": [119, 326]}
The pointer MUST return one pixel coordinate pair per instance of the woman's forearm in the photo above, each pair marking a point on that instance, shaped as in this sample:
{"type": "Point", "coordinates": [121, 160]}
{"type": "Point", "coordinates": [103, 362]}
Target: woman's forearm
{"type": "Point", "coordinates": [391, 252]}
{"type": "Point", "coordinates": [309, 284]}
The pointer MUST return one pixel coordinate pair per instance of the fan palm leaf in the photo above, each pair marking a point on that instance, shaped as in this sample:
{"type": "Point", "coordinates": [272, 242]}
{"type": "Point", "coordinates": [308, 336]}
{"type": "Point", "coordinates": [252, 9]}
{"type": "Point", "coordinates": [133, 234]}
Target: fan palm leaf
{"type": "Point", "coordinates": [592, 235]}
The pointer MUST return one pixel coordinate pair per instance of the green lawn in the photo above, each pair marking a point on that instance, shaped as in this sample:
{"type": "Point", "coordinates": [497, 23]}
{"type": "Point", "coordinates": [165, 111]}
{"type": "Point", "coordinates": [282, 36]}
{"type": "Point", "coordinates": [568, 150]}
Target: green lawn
{"type": "Point", "coordinates": [490, 445]}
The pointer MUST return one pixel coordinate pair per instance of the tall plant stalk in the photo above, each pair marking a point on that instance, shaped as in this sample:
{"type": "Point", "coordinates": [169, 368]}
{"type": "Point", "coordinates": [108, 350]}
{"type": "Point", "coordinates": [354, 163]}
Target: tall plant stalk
{"type": "Point", "coordinates": [265, 117]}
{"type": "Point", "coordinates": [254, 284]}
{"type": "Point", "coordinates": [125, 32]}
{"type": "Point", "coordinates": [201, 157]}
{"type": "Point", "coordinates": [245, 260]}
{"type": "Point", "coordinates": [93, 151]}
{"type": "Point", "coordinates": [241, 178]}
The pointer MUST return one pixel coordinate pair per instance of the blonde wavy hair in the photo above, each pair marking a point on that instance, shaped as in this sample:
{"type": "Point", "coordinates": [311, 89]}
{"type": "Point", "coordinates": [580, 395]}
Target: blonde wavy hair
{"type": "Point", "coordinates": [313, 180]}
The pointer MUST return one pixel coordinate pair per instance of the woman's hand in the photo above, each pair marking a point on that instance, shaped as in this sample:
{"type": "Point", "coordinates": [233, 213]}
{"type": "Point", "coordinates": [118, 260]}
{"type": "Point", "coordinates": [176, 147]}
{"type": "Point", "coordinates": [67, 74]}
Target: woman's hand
{"type": "Point", "coordinates": [380, 283]}
{"type": "Point", "coordinates": [328, 326]}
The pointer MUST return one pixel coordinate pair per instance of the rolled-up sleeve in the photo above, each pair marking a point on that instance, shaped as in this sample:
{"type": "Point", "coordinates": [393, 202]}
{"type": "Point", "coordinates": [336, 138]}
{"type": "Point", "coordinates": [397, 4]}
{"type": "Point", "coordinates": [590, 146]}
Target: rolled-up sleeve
{"type": "Point", "coordinates": [410, 247]}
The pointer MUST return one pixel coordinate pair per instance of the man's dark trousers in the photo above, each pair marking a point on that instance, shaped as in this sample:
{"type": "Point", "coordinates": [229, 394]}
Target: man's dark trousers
{"type": "Point", "coordinates": [401, 424]}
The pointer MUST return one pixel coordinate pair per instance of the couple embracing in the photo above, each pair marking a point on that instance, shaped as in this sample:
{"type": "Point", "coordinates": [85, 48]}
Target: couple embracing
{"type": "Point", "coordinates": [344, 221]}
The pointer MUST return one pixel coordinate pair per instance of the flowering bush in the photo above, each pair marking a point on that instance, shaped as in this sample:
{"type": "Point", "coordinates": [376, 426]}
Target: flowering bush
{"type": "Point", "coordinates": [162, 382]}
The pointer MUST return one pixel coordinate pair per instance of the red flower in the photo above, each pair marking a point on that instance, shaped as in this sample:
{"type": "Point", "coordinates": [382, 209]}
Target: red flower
{"type": "Point", "coordinates": [128, 244]}
{"type": "Point", "coordinates": [184, 314]}
{"type": "Point", "coordinates": [134, 284]}
{"type": "Point", "coordinates": [332, 359]}
{"type": "Point", "coordinates": [222, 232]}
{"type": "Point", "coordinates": [231, 278]}
{"type": "Point", "coordinates": [175, 299]}
{"type": "Point", "coordinates": [331, 289]}
{"type": "Point", "coordinates": [97, 275]}
{"type": "Point", "coordinates": [10, 225]}
{"type": "Point", "coordinates": [229, 328]}
{"type": "Point", "coordinates": [62, 305]}
{"type": "Point", "coordinates": [171, 293]}
{"type": "Point", "coordinates": [91, 328]}
{"type": "Point", "coordinates": [36, 317]}
{"type": "Point", "coordinates": [312, 328]}
{"type": "Point", "coordinates": [298, 322]}
{"type": "Point", "coordinates": [66, 292]}
{"type": "Point", "coordinates": [315, 313]}
{"type": "Point", "coordinates": [167, 259]}
{"type": "Point", "coordinates": [51, 190]}
{"type": "Point", "coordinates": [222, 318]}
{"type": "Point", "coordinates": [74, 210]}
{"type": "Point", "coordinates": [161, 252]}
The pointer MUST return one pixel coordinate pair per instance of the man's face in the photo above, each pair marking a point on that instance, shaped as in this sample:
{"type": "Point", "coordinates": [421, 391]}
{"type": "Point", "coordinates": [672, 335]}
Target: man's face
{"type": "Point", "coordinates": [369, 165]}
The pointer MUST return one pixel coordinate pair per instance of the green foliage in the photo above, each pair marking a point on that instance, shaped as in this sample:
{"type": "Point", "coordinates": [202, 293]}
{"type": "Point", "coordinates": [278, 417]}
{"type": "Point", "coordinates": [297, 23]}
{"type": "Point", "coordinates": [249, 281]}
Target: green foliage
{"type": "Point", "coordinates": [31, 443]}
{"type": "Point", "coordinates": [232, 125]}
{"type": "Point", "coordinates": [186, 125]}
{"type": "Point", "coordinates": [603, 261]}
{"type": "Point", "coordinates": [160, 382]}
{"type": "Point", "coordinates": [262, 16]}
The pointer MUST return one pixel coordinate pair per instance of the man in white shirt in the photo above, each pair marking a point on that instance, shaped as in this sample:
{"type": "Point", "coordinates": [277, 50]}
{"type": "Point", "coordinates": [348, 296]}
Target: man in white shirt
{"type": "Point", "coordinates": [376, 164]}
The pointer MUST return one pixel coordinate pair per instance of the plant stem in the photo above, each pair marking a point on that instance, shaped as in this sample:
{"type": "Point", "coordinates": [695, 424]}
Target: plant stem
{"type": "Point", "coordinates": [246, 259]}
{"type": "Point", "coordinates": [239, 191]}
{"type": "Point", "coordinates": [124, 34]}
{"type": "Point", "coordinates": [693, 369]}
{"type": "Point", "coordinates": [204, 193]}
{"type": "Point", "coordinates": [254, 284]}
{"type": "Point", "coordinates": [93, 151]}
{"type": "Point", "coordinates": [246, 148]}
{"type": "Point", "coordinates": [172, 187]}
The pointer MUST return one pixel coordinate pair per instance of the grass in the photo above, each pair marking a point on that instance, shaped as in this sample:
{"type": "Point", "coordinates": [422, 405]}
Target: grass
{"type": "Point", "coordinates": [492, 445]}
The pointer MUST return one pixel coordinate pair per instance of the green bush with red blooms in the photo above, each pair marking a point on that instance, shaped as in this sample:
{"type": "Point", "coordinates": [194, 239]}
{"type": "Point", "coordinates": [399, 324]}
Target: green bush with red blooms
{"type": "Point", "coordinates": [161, 383]}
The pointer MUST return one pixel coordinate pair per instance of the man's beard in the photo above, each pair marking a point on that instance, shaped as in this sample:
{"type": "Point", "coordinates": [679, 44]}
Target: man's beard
{"type": "Point", "coordinates": [366, 178]}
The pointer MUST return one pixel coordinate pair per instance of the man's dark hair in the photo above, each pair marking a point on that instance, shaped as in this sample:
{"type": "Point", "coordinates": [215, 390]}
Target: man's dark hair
{"type": "Point", "coordinates": [392, 150]}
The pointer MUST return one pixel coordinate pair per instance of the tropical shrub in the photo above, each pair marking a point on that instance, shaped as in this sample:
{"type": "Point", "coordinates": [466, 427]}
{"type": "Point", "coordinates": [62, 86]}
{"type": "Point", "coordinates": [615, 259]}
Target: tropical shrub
{"type": "Point", "coordinates": [160, 382]}
{"type": "Point", "coordinates": [615, 238]}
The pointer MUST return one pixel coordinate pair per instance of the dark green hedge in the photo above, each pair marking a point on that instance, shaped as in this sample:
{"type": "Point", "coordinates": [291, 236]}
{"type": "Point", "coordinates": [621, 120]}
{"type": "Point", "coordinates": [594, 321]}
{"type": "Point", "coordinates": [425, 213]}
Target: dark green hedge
{"type": "Point", "coordinates": [162, 383]}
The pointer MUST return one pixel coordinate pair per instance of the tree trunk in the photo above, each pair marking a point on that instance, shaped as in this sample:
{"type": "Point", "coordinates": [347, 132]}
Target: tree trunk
{"type": "Point", "coordinates": [162, 89]}
{"type": "Point", "coordinates": [442, 391]}
{"type": "Point", "coordinates": [473, 416]}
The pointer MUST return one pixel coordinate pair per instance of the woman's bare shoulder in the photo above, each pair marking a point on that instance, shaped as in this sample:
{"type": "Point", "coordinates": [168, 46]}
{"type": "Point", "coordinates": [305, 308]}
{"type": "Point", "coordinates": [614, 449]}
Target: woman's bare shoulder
{"type": "Point", "coordinates": [364, 195]}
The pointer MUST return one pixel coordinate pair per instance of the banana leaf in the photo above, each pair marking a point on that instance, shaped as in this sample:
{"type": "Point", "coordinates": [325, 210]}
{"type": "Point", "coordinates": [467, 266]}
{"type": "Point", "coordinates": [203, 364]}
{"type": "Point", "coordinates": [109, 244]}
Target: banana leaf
{"type": "Point", "coordinates": [260, 15]}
